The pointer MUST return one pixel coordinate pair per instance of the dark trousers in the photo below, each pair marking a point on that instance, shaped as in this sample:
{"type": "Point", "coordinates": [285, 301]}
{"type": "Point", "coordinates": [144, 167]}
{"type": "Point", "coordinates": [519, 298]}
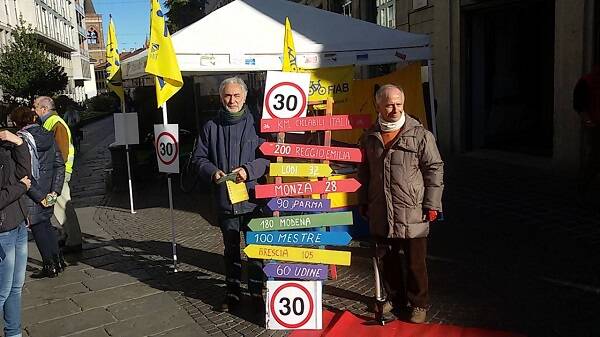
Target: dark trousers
{"type": "Point", "coordinates": [231, 225]}
{"type": "Point", "coordinates": [404, 275]}
{"type": "Point", "coordinates": [46, 239]}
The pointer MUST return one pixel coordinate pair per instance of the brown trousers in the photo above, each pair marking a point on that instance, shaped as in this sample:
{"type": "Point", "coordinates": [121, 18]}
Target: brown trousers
{"type": "Point", "coordinates": [404, 275]}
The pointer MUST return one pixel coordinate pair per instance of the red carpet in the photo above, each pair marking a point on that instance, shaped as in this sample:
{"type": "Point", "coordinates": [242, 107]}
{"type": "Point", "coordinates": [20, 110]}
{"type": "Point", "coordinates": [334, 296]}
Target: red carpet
{"type": "Point", "coordinates": [345, 324]}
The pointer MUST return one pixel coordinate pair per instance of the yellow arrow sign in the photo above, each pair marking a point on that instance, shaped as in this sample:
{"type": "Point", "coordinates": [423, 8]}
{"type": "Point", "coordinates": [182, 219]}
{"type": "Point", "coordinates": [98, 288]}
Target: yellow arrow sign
{"type": "Point", "coordinates": [299, 170]}
{"type": "Point", "coordinates": [295, 254]}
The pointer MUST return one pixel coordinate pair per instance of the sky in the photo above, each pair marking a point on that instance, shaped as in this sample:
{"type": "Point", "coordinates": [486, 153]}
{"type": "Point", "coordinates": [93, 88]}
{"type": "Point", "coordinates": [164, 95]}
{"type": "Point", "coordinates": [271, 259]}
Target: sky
{"type": "Point", "coordinates": [131, 18]}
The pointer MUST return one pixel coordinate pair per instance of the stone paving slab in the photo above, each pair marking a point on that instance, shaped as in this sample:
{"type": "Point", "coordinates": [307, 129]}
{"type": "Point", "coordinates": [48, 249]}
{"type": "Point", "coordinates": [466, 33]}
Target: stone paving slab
{"type": "Point", "coordinates": [186, 330]}
{"type": "Point", "coordinates": [151, 323]}
{"type": "Point", "coordinates": [110, 296]}
{"type": "Point", "coordinates": [85, 320]}
{"type": "Point", "coordinates": [49, 311]}
{"type": "Point", "coordinates": [159, 302]}
{"type": "Point", "coordinates": [98, 332]}
{"type": "Point", "coordinates": [45, 296]}
{"type": "Point", "coordinates": [113, 280]}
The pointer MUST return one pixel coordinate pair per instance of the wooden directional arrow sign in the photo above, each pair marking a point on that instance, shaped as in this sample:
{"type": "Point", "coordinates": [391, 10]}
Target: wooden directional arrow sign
{"type": "Point", "coordinates": [299, 205]}
{"type": "Point", "coordinates": [299, 170]}
{"type": "Point", "coordinates": [295, 254]}
{"type": "Point", "coordinates": [298, 238]}
{"type": "Point", "coordinates": [311, 152]}
{"type": "Point", "coordinates": [318, 123]}
{"type": "Point", "coordinates": [296, 271]}
{"type": "Point", "coordinates": [300, 221]}
{"type": "Point", "coordinates": [306, 188]}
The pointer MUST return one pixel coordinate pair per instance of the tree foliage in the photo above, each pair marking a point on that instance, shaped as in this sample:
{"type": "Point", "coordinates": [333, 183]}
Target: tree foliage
{"type": "Point", "coordinates": [182, 13]}
{"type": "Point", "coordinates": [27, 70]}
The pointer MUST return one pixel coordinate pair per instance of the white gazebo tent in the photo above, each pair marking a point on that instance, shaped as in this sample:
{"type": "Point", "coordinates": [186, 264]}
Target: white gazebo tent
{"type": "Point", "coordinates": [247, 36]}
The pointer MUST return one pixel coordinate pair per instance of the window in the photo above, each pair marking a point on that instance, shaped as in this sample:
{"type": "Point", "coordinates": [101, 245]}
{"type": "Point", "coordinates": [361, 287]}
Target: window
{"type": "Point", "coordinates": [347, 8]}
{"type": "Point", "coordinates": [386, 13]}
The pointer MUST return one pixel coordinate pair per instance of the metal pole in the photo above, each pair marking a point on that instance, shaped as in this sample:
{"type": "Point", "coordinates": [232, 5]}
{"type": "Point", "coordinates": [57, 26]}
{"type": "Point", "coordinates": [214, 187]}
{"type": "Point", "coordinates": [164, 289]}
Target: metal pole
{"type": "Point", "coordinates": [173, 240]}
{"type": "Point", "coordinates": [128, 164]}
{"type": "Point", "coordinates": [431, 98]}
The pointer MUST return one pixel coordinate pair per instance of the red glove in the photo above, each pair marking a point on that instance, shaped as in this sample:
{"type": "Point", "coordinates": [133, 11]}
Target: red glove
{"type": "Point", "coordinates": [430, 215]}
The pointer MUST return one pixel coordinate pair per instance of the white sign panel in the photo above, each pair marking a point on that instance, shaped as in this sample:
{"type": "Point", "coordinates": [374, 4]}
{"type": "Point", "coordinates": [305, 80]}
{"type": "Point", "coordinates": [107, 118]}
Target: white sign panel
{"type": "Point", "coordinates": [126, 128]}
{"type": "Point", "coordinates": [294, 305]}
{"type": "Point", "coordinates": [166, 142]}
{"type": "Point", "coordinates": [286, 95]}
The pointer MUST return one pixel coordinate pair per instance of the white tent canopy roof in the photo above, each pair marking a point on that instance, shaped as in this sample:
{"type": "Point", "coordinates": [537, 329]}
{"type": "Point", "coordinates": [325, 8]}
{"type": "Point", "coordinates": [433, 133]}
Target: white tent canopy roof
{"type": "Point", "coordinates": [247, 35]}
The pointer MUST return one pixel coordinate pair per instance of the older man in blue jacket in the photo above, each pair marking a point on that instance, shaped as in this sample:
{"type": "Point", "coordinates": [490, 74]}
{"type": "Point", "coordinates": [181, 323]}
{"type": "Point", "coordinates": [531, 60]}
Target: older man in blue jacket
{"type": "Point", "coordinates": [229, 143]}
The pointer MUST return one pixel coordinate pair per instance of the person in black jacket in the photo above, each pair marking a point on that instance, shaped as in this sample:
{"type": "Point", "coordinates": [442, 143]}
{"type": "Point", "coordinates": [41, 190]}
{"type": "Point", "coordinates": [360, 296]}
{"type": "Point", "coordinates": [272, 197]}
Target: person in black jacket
{"type": "Point", "coordinates": [229, 144]}
{"type": "Point", "coordinates": [47, 177]}
{"type": "Point", "coordinates": [15, 167]}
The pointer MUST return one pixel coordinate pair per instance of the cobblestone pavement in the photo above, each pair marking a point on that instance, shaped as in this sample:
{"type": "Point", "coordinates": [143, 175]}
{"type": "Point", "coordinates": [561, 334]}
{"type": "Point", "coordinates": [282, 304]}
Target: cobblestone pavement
{"type": "Point", "coordinates": [516, 252]}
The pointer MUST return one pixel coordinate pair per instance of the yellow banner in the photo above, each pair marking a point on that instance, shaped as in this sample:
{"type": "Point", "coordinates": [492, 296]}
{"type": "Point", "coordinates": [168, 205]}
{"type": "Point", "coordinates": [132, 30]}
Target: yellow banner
{"type": "Point", "coordinates": [114, 80]}
{"type": "Point", "coordinates": [330, 82]}
{"type": "Point", "coordinates": [299, 170]}
{"type": "Point", "coordinates": [295, 254]}
{"type": "Point", "coordinates": [362, 100]}
{"type": "Point", "coordinates": [289, 51]}
{"type": "Point", "coordinates": [162, 61]}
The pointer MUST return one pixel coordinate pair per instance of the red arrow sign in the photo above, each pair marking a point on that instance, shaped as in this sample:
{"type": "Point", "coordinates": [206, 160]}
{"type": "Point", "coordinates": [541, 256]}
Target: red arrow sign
{"type": "Point", "coordinates": [334, 122]}
{"type": "Point", "coordinates": [306, 188]}
{"type": "Point", "coordinates": [311, 152]}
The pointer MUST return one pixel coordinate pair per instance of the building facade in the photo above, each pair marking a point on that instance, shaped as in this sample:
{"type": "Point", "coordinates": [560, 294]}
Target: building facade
{"type": "Point", "coordinates": [94, 34]}
{"type": "Point", "coordinates": [59, 26]}
{"type": "Point", "coordinates": [503, 70]}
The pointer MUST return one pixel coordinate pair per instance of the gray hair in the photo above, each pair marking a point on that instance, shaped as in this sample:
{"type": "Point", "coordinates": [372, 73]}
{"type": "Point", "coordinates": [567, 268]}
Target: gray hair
{"type": "Point", "coordinates": [46, 102]}
{"type": "Point", "coordinates": [381, 91]}
{"type": "Point", "coordinates": [235, 80]}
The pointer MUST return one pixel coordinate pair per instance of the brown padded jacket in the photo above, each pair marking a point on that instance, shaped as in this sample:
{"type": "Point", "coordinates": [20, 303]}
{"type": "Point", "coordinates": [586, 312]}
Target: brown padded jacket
{"type": "Point", "coordinates": [398, 183]}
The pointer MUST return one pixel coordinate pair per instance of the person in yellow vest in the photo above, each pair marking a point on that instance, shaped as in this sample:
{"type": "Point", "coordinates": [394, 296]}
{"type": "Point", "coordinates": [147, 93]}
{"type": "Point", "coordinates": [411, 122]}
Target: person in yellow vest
{"type": "Point", "coordinates": [63, 210]}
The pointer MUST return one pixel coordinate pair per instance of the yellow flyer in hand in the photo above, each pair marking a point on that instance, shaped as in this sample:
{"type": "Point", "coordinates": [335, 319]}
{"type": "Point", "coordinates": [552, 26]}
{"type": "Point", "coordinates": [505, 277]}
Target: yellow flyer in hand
{"type": "Point", "coordinates": [237, 192]}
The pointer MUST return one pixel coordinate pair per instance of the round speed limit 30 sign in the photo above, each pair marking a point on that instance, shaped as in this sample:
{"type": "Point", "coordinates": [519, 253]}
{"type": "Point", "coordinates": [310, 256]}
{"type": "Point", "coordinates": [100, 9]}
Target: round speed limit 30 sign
{"type": "Point", "coordinates": [166, 142]}
{"type": "Point", "coordinates": [294, 305]}
{"type": "Point", "coordinates": [286, 95]}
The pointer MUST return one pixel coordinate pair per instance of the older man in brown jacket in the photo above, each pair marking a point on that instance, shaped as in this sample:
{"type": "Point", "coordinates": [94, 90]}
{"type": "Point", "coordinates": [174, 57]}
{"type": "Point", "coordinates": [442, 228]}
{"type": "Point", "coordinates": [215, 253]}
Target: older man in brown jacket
{"type": "Point", "coordinates": [401, 193]}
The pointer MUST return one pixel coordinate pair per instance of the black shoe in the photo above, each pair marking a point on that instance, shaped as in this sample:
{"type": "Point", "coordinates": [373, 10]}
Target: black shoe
{"type": "Point", "coordinates": [48, 270]}
{"type": "Point", "coordinates": [59, 262]}
{"type": "Point", "coordinates": [72, 249]}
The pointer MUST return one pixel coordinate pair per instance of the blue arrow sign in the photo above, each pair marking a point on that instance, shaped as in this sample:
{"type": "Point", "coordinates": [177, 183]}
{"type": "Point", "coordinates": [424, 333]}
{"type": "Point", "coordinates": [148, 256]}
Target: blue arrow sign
{"type": "Point", "coordinates": [299, 205]}
{"type": "Point", "coordinates": [296, 271]}
{"type": "Point", "coordinates": [291, 238]}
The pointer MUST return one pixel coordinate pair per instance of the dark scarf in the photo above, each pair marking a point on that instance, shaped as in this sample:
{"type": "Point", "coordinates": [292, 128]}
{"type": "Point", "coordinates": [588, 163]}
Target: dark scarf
{"type": "Point", "coordinates": [230, 118]}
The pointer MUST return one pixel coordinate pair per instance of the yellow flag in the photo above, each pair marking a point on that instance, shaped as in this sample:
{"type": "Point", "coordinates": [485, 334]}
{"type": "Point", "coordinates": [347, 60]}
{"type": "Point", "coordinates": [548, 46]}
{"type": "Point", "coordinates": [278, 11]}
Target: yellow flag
{"type": "Point", "coordinates": [162, 61]}
{"type": "Point", "coordinates": [289, 51]}
{"type": "Point", "coordinates": [114, 80]}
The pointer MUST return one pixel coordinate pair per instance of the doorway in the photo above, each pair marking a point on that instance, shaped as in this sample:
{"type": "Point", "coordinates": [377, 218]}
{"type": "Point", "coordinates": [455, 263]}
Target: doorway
{"type": "Point", "coordinates": [509, 76]}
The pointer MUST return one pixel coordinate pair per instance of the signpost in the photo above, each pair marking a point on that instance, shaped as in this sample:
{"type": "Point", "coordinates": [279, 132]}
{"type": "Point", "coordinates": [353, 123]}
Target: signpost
{"type": "Point", "coordinates": [316, 123]}
{"type": "Point", "coordinates": [297, 254]}
{"type": "Point", "coordinates": [294, 305]}
{"type": "Point", "coordinates": [299, 170]}
{"type": "Point", "coordinates": [311, 152]}
{"type": "Point", "coordinates": [285, 95]}
{"type": "Point", "coordinates": [296, 271]}
{"type": "Point", "coordinates": [298, 238]}
{"type": "Point", "coordinates": [306, 188]}
{"type": "Point", "coordinates": [300, 221]}
{"type": "Point", "coordinates": [166, 141]}
{"type": "Point", "coordinates": [299, 205]}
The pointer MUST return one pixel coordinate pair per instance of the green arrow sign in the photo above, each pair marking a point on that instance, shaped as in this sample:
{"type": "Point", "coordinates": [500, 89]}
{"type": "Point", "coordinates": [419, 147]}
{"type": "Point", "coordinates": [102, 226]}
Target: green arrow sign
{"type": "Point", "coordinates": [300, 221]}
